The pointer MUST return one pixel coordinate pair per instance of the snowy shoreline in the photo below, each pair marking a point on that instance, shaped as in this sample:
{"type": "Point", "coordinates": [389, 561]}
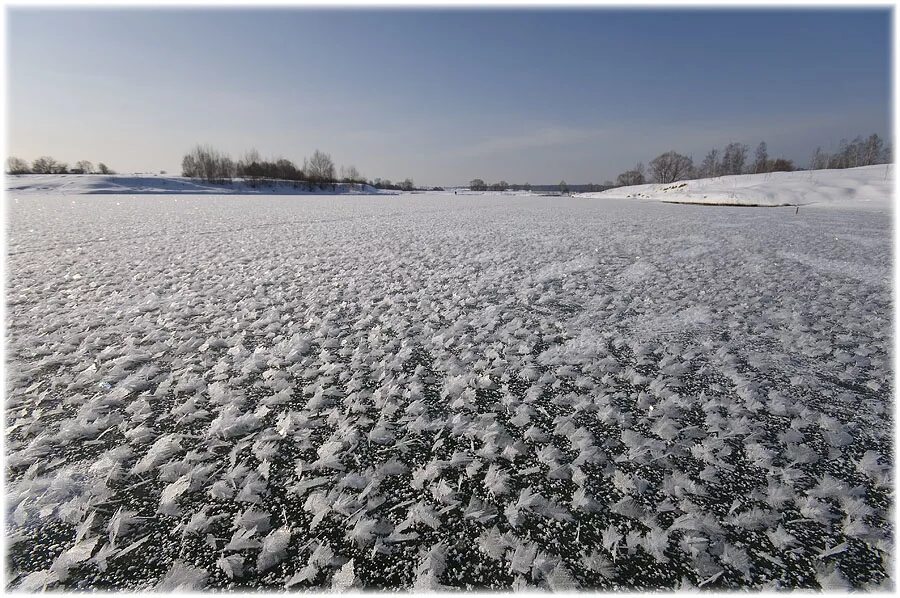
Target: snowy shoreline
{"type": "Point", "coordinates": [867, 186]}
{"type": "Point", "coordinates": [131, 184]}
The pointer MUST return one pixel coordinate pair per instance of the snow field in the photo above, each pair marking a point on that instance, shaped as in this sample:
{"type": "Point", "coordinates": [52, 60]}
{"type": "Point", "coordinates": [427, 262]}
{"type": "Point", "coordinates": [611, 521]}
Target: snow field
{"type": "Point", "coordinates": [443, 391]}
{"type": "Point", "coordinates": [866, 187]}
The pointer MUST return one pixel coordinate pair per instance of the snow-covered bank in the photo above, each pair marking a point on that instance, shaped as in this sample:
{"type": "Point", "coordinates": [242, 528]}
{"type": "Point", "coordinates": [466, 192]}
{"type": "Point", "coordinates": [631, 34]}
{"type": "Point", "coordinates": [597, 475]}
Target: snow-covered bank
{"type": "Point", "coordinates": [132, 184]}
{"type": "Point", "coordinates": [868, 186]}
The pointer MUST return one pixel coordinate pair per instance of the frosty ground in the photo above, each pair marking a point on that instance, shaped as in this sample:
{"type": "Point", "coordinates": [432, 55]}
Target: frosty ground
{"type": "Point", "coordinates": [434, 390]}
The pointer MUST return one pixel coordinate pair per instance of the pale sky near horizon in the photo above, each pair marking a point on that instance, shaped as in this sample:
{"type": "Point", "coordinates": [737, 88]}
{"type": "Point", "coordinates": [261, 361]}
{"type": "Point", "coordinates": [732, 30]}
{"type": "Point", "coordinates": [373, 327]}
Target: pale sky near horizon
{"type": "Point", "coordinates": [443, 96]}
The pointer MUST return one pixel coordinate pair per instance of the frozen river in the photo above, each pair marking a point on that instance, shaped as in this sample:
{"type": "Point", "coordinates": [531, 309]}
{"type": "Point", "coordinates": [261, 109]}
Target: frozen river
{"type": "Point", "coordinates": [473, 391]}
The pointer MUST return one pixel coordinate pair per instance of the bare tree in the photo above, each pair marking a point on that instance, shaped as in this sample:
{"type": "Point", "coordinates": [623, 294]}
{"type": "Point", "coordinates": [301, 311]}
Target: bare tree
{"type": "Point", "coordinates": [710, 167]}
{"type": "Point", "coordinates": [84, 166]}
{"type": "Point", "coordinates": [206, 163]}
{"type": "Point", "coordinates": [762, 158]}
{"type": "Point", "coordinates": [249, 166]}
{"type": "Point", "coordinates": [635, 176]}
{"type": "Point", "coordinates": [819, 160]}
{"type": "Point", "coordinates": [477, 185]}
{"type": "Point", "coordinates": [319, 168]}
{"type": "Point", "coordinates": [670, 167]}
{"type": "Point", "coordinates": [734, 158]}
{"type": "Point", "coordinates": [782, 165]}
{"type": "Point", "coordinates": [16, 166]}
{"type": "Point", "coordinates": [563, 188]}
{"type": "Point", "coordinates": [251, 157]}
{"type": "Point", "coordinates": [873, 150]}
{"type": "Point", "coordinates": [349, 174]}
{"type": "Point", "coordinates": [103, 168]}
{"type": "Point", "coordinates": [842, 158]}
{"type": "Point", "coordinates": [44, 165]}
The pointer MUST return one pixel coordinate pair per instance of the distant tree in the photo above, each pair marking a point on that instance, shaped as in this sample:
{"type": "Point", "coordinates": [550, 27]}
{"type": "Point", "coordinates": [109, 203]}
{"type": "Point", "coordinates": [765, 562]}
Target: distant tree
{"type": "Point", "coordinates": [103, 169]}
{"type": "Point", "coordinates": [710, 167]}
{"type": "Point", "coordinates": [849, 154]}
{"type": "Point", "coordinates": [635, 176]}
{"type": "Point", "coordinates": [563, 187]}
{"type": "Point", "coordinates": [84, 166]}
{"type": "Point", "coordinates": [781, 165]}
{"type": "Point", "coordinates": [60, 168]}
{"type": "Point", "coordinates": [16, 166]}
{"type": "Point", "coordinates": [670, 167]}
{"type": "Point", "coordinates": [477, 185]}
{"type": "Point", "coordinates": [350, 174]}
{"type": "Point", "coordinates": [853, 154]}
{"type": "Point", "coordinates": [44, 165]}
{"type": "Point", "coordinates": [206, 163]}
{"type": "Point", "coordinates": [873, 150]}
{"type": "Point", "coordinates": [253, 169]}
{"type": "Point", "coordinates": [761, 164]}
{"type": "Point", "coordinates": [249, 167]}
{"type": "Point", "coordinates": [190, 166]}
{"type": "Point", "coordinates": [838, 159]}
{"type": "Point", "coordinates": [733, 159]}
{"type": "Point", "coordinates": [225, 169]}
{"type": "Point", "coordinates": [407, 185]}
{"type": "Point", "coordinates": [285, 169]}
{"type": "Point", "coordinates": [628, 178]}
{"type": "Point", "coordinates": [856, 155]}
{"type": "Point", "coordinates": [819, 160]}
{"type": "Point", "coordinates": [251, 156]}
{"type": "Point", "coordinates": [319, 168]}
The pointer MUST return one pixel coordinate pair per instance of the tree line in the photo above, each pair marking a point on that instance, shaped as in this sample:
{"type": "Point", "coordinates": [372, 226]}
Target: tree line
{"type": "Point", "coordinates": [49, 165]}
{"type": "Point", "coordinates": [735, 159]}
{"type": "Point", "coordinates": [212, 166]}
{"type": "Point", "coordinates": [480, 185]}
{"type": "Point", "coordinates": [563, 187]}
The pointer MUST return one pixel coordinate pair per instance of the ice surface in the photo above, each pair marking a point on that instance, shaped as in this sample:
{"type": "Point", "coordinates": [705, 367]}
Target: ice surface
{"type": "Point", "coordinates": [483, 391]}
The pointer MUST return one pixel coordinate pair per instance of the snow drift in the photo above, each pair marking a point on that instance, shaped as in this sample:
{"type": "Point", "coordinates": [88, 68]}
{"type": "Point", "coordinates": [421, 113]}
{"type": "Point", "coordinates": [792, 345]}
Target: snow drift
{"type": "Point", "coordinates": [132, 184]}
{"type": "Point", "coordinates": [867, 186]}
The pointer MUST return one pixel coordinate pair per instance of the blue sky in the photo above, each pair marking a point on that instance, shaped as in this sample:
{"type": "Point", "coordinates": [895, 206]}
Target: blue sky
{"type": "Point", "coordinates": [443, 96]}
